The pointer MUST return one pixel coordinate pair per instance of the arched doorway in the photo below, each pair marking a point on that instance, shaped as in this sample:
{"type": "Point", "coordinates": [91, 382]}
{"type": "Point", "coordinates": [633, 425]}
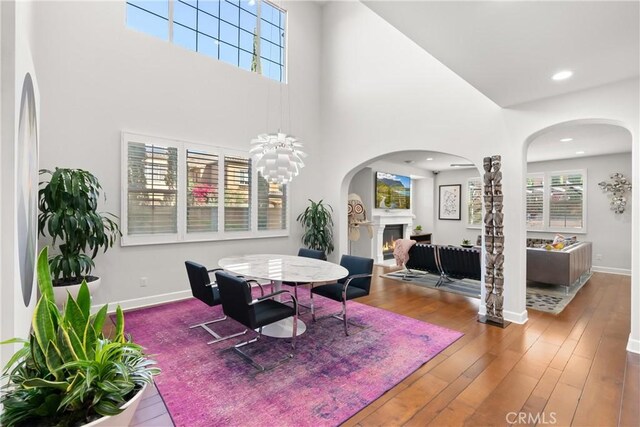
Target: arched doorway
{"type": "Point", "coordinates": [597, 150]}
{"type": "Point", "coordinates": [431, 175]}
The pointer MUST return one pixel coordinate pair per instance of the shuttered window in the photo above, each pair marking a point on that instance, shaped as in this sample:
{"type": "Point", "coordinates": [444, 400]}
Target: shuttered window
{"type": "Point", "coordinates": [566, 201]}
{"type": "Point", "coordinates": [556, 201]}
{"type": "Point", "coordinates": [177, 191]}
{"type": "Point", "coordinates": [474, 202]}
{"type": "Point", "coordinates": [202, 191]}
{"type": "Point", "coordinates": [237, 193]}
{"type": "Point", "coordinates": [152, 205]}
{"type": "Point", "coordinates": [272, 205]}
{"type": "Point", "coordinates": [535, 202]}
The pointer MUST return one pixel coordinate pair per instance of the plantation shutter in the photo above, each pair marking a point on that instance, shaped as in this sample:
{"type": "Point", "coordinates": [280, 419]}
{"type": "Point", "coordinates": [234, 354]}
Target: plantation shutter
{"type": "Point", "coordinates": [272, 205]}
{"type": "Point", "coordinates": [566, 201]}
{"type": "Point", "coordinates": [202, 192]}
{"type": "Point", "coordinates": [237, 193]}
{"type": "Point", "coordinates": [535, 202]}
{"type": "Point", "coordinates": [152, 184]}
{"type": "Point", "coordinates": [474, 201]}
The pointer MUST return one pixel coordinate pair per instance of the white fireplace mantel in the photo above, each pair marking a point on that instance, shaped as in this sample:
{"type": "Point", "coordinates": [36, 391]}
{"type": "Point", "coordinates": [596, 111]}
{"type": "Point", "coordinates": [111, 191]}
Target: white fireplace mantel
{"type": "Point", "coordinates": [381, 218]}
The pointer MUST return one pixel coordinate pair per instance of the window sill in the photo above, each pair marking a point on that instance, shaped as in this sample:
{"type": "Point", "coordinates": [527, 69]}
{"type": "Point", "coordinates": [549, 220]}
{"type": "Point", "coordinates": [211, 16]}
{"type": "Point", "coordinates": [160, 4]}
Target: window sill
{"type": "Point", "coordinates": [197, 238]}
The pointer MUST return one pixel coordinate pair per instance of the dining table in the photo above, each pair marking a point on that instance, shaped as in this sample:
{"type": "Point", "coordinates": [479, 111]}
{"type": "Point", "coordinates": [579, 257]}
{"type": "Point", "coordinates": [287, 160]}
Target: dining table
{"type": "Point", "coordinates": [283, 268]}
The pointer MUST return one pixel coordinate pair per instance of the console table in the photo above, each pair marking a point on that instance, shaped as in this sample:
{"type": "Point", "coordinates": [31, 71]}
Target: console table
{"type": "Point", "coordinates": [421, 238]}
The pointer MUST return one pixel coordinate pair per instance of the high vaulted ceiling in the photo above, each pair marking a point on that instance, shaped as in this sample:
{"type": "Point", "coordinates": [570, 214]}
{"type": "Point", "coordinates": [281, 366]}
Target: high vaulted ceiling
{"type": "Point", "coordinates": [509, 50]}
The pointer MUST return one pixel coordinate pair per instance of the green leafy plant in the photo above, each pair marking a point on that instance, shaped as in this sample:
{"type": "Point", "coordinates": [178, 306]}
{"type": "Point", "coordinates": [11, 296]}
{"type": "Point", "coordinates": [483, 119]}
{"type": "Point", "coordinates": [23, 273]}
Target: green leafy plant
{"type": "Point", "coordinates": [67, 371]}
{"type": "Point", "coordinates": [418, 228]}
{"type": "Point", "coordinates": [68, 205]}
{"type": "Point", "coordinates": [317, 224]}
{"type": "Point", "coordinates": [466, 242]}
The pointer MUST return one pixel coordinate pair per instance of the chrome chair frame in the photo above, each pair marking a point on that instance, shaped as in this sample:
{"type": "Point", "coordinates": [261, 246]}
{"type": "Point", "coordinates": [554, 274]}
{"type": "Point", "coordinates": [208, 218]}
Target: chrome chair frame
{"type": "Point", "coordinates": [343, 314]}
{"type": "Point", "coordinates": [237, 347]}
{"type": "Point", "coordinates": [204, 325]}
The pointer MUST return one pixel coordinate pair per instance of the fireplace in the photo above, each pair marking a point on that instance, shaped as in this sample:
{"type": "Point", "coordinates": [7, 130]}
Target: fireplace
{"type": "Point", "coordinates": [391, 233]}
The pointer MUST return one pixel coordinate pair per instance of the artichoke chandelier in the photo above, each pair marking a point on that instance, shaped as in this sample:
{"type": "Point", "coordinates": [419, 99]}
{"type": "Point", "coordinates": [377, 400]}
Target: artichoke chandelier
{"type": "Point", "coordinates": [277, 156]}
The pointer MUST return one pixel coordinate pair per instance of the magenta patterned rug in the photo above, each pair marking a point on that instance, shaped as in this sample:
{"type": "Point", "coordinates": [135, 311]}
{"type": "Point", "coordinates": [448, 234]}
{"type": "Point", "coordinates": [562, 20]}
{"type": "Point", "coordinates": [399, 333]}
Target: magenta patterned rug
{"type": "Point", "coordinates": [330, 378]}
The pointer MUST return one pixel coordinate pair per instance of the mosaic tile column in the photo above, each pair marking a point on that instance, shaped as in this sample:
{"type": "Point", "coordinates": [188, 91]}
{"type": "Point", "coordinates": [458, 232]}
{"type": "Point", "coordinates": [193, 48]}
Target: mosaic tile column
{"type": "Point", "coordinates": [493, 240]}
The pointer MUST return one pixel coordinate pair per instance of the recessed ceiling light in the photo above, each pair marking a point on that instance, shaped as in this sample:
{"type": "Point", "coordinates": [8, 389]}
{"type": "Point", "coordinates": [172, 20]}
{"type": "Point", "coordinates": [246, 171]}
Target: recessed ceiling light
{"type": "Point", "coordinates": [566, 139]}
{"type": "Point", "coordinates": [580, 152]}
{"type": "Point", "coordinates": [429, 158]}
{"type": "Point", "coordinates": [562, 75]}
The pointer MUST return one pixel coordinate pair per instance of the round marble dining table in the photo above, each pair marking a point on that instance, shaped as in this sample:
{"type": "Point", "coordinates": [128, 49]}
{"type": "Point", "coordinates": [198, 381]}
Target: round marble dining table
{"type": "Point", "coordinates": [278, 268]}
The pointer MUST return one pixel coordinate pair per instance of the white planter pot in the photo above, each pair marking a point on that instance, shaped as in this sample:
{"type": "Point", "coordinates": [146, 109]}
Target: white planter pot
{"type": "Point", "coordinates": [60, 292]}
{"type": "Point", "coordinates": [123, 418]}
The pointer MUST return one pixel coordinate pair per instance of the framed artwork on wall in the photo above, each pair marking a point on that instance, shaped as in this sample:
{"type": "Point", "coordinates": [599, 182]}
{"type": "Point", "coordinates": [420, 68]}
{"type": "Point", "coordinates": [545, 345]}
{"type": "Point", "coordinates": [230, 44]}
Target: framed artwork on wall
{"type": "Point", "coordinates": [449, 202]}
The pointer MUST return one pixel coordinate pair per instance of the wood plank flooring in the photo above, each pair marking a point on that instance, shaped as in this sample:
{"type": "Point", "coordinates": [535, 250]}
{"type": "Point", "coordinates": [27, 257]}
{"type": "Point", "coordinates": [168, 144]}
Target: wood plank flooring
{"type": "Point", "coordinates": [566, 369]}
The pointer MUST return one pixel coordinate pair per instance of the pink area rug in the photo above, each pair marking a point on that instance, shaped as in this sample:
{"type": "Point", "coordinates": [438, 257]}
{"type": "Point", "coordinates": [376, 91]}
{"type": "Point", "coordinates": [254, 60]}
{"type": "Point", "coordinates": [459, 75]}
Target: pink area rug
{"type": "Point", "coordinates": [330, 378]}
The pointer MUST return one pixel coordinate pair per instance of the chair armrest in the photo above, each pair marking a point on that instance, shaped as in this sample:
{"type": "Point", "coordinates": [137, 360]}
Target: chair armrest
{"type": "Point", "coordinates": [284, 291]}
{"type": "Point", "coordinates": [356, 276]}
{"type": "Point", "coordinates": [259, 285]}
{"type": "Point", "coordinates": [349, 279]}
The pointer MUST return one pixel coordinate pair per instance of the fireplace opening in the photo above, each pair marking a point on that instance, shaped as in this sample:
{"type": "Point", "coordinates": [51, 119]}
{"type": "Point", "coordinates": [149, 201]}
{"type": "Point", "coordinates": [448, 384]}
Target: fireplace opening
{"type": "Point", "coordinates": [390, 234]}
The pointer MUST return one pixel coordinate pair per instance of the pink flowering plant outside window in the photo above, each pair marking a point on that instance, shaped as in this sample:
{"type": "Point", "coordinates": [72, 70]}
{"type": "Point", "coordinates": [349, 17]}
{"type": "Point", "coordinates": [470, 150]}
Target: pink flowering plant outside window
{"type": "Point", "coordinates": [204, 194]}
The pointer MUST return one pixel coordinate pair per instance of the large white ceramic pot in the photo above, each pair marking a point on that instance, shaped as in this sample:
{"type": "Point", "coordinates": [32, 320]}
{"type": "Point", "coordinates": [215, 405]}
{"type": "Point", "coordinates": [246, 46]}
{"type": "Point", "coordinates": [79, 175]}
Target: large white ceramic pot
{"type": "Point", "coordinates": [123, 418]}
{"type": "Point", "coordinates": [60, 292]}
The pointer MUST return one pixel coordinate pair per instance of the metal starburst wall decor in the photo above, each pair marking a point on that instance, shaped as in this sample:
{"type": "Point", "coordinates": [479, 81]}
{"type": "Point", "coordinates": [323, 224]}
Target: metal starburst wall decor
{"type": "Point", "coordinates": [617, 188]}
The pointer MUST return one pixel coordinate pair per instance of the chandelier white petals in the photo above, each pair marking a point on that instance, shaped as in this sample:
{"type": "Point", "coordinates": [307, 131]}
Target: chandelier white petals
{"type": "Point", "coordinates": [277, 156]}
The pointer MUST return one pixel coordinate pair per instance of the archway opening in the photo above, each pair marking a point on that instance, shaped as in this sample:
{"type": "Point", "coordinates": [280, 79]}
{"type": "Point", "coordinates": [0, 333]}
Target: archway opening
{"type": "Point", "coordinates": [574, 224]}
{"type": "Point", "coordinates": [444, 208]}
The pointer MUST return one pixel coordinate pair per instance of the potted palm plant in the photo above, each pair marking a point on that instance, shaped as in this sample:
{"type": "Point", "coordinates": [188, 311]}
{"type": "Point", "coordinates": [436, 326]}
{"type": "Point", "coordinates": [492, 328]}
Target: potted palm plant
{"type": "Point", "coordinates": [68, 373]}
{"type": "Point", "coordinates": [68, 204]}
{"type": "Point", "coordinates": [317, 224]}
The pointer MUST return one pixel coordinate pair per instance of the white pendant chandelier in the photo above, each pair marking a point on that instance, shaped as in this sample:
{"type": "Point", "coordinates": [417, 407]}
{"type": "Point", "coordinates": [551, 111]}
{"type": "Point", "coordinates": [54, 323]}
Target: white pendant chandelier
{"type": "Point", "coordinates": [277, 156]}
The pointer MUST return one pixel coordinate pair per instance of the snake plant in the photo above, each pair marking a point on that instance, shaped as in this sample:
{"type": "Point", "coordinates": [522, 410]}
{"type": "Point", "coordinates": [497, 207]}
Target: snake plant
{"type": "Point", "coordinates": [67, 371]}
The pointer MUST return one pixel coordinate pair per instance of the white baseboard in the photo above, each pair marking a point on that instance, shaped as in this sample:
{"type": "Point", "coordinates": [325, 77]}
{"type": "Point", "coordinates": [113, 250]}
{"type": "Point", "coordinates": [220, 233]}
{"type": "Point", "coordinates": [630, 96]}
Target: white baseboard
{"type": "Point", "coordinates": [611, 270]}
{"type": "Point", "coordinates": [149, 301]}
{"type": "Point", "coordinates": [633, 345]}
{"type": "Point", "coordinates": [513, 317]}
{"type": "Point", "coordinates": [482, 310]}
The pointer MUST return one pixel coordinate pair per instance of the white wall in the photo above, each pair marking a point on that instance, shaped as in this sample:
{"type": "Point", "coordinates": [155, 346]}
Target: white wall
{"type": "Point", "coordinates": [16, 62]}
{"type": "Point", "coordinates": [383, 94]}
{"type": "Point", "coordinates": [616, 104]}
{"type": "Point", "coordinates": [609, 233]}
{"type": "Point", "coordinates": [99, 78]}
{"type": "Point", "coordinates": [452, 232]}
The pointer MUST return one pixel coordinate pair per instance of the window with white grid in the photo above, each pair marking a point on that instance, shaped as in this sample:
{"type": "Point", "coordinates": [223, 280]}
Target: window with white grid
{"type": "Point", "coordinates": [249, 34]}
{"type": "Point", "coordinates": [556, 201]}
{"type": "Point", "coordinates": [474, 202]}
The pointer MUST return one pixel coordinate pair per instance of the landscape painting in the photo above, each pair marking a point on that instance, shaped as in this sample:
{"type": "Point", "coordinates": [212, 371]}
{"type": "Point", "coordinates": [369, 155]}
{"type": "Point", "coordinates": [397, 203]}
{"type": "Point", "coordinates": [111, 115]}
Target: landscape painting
{"type": "Point", "coordinates": [392, 191]}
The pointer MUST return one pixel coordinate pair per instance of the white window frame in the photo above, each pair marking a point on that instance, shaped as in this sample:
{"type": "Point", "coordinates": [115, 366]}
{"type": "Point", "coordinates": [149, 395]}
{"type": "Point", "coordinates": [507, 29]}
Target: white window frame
{"type": "Point", "coordinates": [546, 202]}
{"type": "Point", "coordinates": [182, 236]}
{"type": "Point", "coordinates": [470, 225]}
{"type": "Point", "coordinates": [271, 3]}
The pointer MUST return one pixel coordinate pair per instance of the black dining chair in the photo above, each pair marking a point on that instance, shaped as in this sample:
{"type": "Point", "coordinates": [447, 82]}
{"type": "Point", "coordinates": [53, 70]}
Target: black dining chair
{"type": "Point", "coordinates": [307, 253]}
{"type": "Point", "coordinates": [238, 304]}
{"type": "Point", "coordinates": [355, 285]}
{"type": "Point", "coordinates": [207, 292]}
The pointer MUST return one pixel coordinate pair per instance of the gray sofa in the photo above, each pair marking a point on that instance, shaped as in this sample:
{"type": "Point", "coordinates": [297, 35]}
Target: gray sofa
{"type": "Point", "coordinates": [559, 267]}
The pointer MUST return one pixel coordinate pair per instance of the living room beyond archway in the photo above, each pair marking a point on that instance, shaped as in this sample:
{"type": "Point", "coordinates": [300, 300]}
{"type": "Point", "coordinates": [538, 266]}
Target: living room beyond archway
{"type": "Point", "coordinates": [575, 227]}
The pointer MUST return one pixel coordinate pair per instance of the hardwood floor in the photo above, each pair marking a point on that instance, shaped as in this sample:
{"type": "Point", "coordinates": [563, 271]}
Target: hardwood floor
{"type": "Point", "coordinates": [566, 369]}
